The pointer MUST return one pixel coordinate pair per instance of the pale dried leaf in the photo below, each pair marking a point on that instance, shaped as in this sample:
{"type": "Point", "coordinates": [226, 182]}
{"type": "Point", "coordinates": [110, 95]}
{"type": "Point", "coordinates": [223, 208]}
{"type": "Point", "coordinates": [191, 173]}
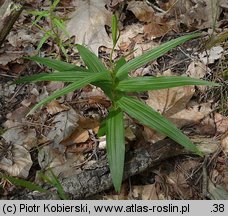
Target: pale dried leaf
{"type": "Point", "coordinates": [6, 89]}
{"type": "Point", "coordinates": [210, 56]}
{"type": "Point", "coordinates": [6, 58]}
{"type": "Point", "coordinates": [18, 162]}
{"type": "Point", "coordinates": [88, 22]}
{"type": "Point", "coordinates": [174, 104]}
{"type": "Point", "coordinates": [60, 165]}
{"type": "Point", "coordinates": [145, 192]}
{"type": "Point", "coordinates": [221, 123]}
{"type": "Point", "coordinates": [142, 47]}
{"type": "Point", "coordinates": [224, 143]}
{"type": "Point", "coordinates": [197, 69]}
{"type": "Point", "coordinates": [128, 35]}
{"type": "Point", "coordinates": [102, 142]}
{"type": "Point", "coordinates": [170, 100]}
{"type": "Point", "coordinates": [49, 157]}
{"type": "Point", "coordinates": [23, 37]}
{"type": "Point", "coordinates": [64, 124]}
{"type": "Point", "coordinates": [217, 191]}
{"type": "Point", "coordinates": [25, 137]}
{"type": "Point", "coordinates": [199, 14]}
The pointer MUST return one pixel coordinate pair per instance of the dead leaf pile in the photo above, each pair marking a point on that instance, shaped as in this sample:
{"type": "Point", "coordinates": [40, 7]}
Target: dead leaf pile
{"type": "Point", "coordinates": [88, 22]}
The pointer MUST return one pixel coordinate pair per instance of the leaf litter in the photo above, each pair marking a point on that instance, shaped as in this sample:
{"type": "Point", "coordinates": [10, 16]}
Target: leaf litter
{"type": "Point", "coordinates": [65, 141]}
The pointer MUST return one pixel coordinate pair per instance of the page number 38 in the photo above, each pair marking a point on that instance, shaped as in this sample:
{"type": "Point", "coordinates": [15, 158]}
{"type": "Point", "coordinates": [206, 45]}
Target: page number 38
{"type": "Point", "coordinates": [218, 208]}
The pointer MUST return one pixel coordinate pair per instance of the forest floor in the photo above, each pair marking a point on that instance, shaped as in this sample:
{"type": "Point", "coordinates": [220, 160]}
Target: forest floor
{"type": "Point", "coordinates": [62, 136]}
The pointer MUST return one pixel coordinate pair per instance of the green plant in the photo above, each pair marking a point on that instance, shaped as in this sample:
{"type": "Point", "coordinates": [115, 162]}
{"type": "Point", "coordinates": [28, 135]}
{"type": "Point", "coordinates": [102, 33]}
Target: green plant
{"type": "Point", "coordinates": [56, 23]}
{"type": "Point", "coordinates": [52, 180]}
{"type": "Point", "coordinates": [114, 81]}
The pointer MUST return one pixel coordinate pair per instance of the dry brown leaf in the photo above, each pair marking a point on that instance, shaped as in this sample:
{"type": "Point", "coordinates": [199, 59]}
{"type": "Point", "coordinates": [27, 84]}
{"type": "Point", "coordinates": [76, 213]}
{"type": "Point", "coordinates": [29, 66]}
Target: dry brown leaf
{"type": "Point", "coordinates": [19, 135]}
{"type": "Point", "coordinates": [221, 123]}
{"type": "Point", "coordinates": [63, 125]}
{"type": "Point", "coordinates": [88, 123]}
{"type": "Point", "coordinates": [224, 143]}
{"type": "Point", "coordinates": [128, 36]}
{"type": "Point", "coordinates": [17, 162]}
{"type": "Point", "coordinates": [141, 10]}
{"type": "Point", "coordinates": [6, 58]}
{"type": "Point", "coordinates": [159, 27]}
{"type": "Point", "coordinates": [49, 157]}
{"type": "Point", "coordinates": [197, 14]}
{"type": "Point", "coordinates": [206, 126]}
{"type": "Point", "coordinates": [23, 37]}
{"type": "Point", "coordinates": [156, 25]}
{"type": "Point", "coordinates": [79, 135]}
{"type": "Point", "coordinates": [197, 69]}
{"type": "Point", "coordinates": [88, 22]}
{"type": "Point", "coordinates": [55, 107]}
{"type": "Point", "coordinates": [171, 100]}
{"type": "Point", "coordinates": [144, 192]}
{"type": "Point", "coordinates": [61, 165]}
{"type": "Point", "coordinates": [140, 48]}
{"type": "Point", "coordinates": [170, 103]}
{"type": "Point", "coordinates": [174, 104]}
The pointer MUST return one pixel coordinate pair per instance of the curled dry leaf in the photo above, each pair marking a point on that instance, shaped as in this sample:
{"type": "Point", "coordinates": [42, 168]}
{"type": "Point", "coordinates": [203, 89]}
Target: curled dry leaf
{"type": "Point", "coordinates": [81, 134]}
{"type": "Point", "coordinates": [174, 104]}
{"type": "Point", "coordinates": [49, 157]}
{"type": "Point", "coordinates": [19, 135]}
{"type": "Point", "coordinates": [64, 124]}
{"type": "Point", "coordinates": [224, 143]}
{"type": "Point", "coordinates": [155, 24]}
{"type": "Point", "coordinates": [23, 37]}
{"type": "Point", "coordinates": [210, 56]}
{"type": "Point", "coordinates": [88, 22]}
{"type": "Point", "coordinates": [61, 165]}
{"type": "Point", "coordinates": [55, 107]}
{"type": "Point", "coordinates": [141, 10]}
{"type": "Point", "coordinates": [194, 14]}
{"type": "Point", "coordinates": [197, 69]}
{"type": "Point", "coordinates": [221, 123]}
{"type": "Point", "coordinates": [128, 35]}
{"type": "Point", "coordinates": [17, 162]}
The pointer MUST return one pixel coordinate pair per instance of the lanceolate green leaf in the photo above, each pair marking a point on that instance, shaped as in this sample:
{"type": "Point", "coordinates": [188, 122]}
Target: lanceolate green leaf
{"type": "Point", "coordinates": [44, 39]}
{"type": "Point", "coordinates": [152, 55]}
{"type": "Point", "coordinates": [149, 117]}
{"type": "Point", "coordinates": [114, 29]}
{"type": "Point", "coordinates": [91, 60]}
{"type": "Point", "coordinates": [56, 64]}
{"type": "Point", "coordinates": [23, 183]}
{"type": "Point", "coordinates": [60, 24]}
{"type": "Point", "coordinates": [115, 146]}
{"type": "Point", "coordinates": [119, 64]}
{"type": "Point", "coordinates": [76, 85]}
{"type": "Point", "coordinates": [137, 84]}
{"type": "Point", "coordinates": [67, 76]}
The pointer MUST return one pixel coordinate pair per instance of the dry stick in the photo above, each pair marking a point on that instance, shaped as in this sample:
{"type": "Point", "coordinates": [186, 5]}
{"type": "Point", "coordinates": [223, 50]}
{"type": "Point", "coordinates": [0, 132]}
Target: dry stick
{"type": "Point", "coordinates": [96, 178]}
{"type": "Point", "coordinates": [9, 13]}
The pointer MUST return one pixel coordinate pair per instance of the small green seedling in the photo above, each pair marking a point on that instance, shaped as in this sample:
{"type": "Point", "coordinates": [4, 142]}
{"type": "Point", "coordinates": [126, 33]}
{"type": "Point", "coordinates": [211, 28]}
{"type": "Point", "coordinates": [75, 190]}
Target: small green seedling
{"type": "Point", "coordinates": [53, 181]}
{"type": "Point", "coordinates": [56, 23]}
{"type": "Point", "coordinates": [116, 84]}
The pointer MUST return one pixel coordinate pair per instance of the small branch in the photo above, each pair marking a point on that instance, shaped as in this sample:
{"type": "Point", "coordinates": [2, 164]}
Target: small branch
{"type": "Point", "coordinates": [9, 13]}
{"type": "Point", "coordinates": [97, 178]}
